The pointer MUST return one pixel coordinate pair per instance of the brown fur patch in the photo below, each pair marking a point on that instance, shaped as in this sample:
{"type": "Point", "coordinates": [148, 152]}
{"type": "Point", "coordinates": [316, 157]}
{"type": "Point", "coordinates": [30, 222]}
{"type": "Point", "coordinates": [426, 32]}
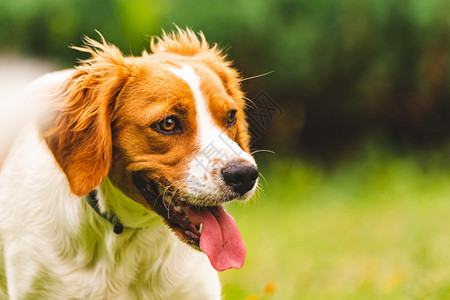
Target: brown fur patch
{"type": "Point", "coordinates": [80, 135]}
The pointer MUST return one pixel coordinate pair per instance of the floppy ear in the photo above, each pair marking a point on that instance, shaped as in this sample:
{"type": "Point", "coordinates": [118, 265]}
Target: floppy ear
{"type": "Point", "coordinates": [79, 133]}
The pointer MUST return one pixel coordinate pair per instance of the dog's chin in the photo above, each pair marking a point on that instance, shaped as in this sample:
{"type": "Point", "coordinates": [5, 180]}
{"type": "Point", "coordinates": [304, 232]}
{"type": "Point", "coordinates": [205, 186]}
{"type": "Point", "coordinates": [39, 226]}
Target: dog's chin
{"type": "Point", "coordinates": [174, 209]}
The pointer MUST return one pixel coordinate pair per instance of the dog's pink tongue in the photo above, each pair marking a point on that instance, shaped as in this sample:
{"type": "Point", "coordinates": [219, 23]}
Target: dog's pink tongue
{"type": "Point", "coordinates": [220, 238]}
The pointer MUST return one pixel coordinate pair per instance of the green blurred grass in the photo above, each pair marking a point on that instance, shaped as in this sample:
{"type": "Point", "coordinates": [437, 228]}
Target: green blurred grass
{"type": "Point", "coordinates": [377, 227]}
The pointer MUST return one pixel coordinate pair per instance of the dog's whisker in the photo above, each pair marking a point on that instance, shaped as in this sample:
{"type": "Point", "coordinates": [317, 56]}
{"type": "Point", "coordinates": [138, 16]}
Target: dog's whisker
{"type": "Point", "coordinates": [254, 106]}
{"type": "Point", "coordinates": [262, 150]}
{"type": "Point", "coordinates": [265, 181]}
{"type": "Point", "coordinates": [171, 202]}
{"type": "Point", "coordinates": [249, 78]}
{"type": "Point", "coordinates": [251, 101]}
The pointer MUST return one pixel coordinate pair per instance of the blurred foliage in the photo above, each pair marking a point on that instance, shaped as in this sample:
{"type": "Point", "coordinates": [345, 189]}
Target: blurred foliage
{"type": "Point", "coordinates": [344, 69]}
{"type": "Point", "coordinates": [48, 27]}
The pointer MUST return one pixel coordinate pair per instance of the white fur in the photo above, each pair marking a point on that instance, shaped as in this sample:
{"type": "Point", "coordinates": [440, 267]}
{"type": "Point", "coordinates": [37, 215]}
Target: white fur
{"type": "Point", "coordinates": [216, 149]}
{"type": "Point", "coordinates": [16, 108]}
{"type": "Point", "coordinates": [56, 247]}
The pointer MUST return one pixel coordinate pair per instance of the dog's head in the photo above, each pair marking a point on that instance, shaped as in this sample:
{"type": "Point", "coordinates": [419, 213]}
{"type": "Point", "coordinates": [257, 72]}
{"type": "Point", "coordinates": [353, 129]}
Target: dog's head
{"type": "Point", "coordinates": [168, 129]}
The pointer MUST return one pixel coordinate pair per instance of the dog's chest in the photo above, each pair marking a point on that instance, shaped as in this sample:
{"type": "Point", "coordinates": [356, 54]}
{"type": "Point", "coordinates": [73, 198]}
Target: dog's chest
{"type": "Point", "coordinates": [112, 268]}
{"type": "Point", "coordinates": [142, 268]}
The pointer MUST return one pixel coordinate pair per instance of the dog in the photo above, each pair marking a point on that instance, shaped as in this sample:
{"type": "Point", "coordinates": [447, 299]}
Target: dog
{"type": "Point", "coordinates": [116, 191]}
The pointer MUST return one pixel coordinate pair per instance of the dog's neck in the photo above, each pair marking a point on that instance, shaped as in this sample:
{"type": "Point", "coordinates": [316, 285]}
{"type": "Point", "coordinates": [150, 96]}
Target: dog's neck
{"type": "Point", "coordinates": [130, 213]}
{"type": "Point", "coordinates": [109, 216]}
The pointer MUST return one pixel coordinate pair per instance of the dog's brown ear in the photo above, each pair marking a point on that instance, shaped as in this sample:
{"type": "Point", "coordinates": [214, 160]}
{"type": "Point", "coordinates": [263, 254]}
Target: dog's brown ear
{"type": "Point", "coordinates": [79, 132]}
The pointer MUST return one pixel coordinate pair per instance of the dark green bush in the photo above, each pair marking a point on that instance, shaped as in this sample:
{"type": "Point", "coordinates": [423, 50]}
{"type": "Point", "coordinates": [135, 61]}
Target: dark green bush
{"type": "Point", "coordinates": [344, 69]}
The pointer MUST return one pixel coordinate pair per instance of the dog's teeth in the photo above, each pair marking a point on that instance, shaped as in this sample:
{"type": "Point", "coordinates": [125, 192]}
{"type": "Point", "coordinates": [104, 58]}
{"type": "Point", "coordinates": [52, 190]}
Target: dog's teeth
{"type": "Point", "coordinates": [177, 208]}
{"type": "Point", "coordinates": [200, 227]}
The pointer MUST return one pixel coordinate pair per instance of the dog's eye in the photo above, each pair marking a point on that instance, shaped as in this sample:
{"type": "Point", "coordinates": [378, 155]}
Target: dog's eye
{"type": "Point", "coordinates": [169, 125]}
{"type": "Point", "coordinates": [231, 117]}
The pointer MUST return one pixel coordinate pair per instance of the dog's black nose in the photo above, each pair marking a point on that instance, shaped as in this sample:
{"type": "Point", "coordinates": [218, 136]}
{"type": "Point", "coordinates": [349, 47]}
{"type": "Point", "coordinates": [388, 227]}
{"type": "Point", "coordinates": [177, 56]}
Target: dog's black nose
{"type": "Point", "coordinates": [240, 175]}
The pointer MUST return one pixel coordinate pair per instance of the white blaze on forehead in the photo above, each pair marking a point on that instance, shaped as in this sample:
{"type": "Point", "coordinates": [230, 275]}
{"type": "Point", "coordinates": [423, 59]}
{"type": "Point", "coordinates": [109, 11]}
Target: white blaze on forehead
{"type": "Point", "coordinates": [213, 142]}
{"type": "Point", "coordinates": [204, 119]}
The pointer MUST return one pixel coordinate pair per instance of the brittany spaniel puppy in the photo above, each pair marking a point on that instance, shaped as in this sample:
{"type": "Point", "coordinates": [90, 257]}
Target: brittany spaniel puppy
{"type": "Point", "coordinates": [117, 192]}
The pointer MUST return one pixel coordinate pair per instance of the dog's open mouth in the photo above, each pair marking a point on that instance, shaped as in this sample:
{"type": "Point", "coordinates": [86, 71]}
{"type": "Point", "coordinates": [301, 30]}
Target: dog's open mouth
{"type": "Point", "coordinates": [211, 229]}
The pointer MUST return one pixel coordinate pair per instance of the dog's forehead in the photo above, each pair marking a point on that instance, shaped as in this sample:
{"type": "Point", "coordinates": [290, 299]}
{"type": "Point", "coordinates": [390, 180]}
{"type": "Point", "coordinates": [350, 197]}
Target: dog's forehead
{"type": "Point", "coordinates": [187, 66]}
{"type": "Point", "coordinates": [206, 86]}
{"type": "Point", "coordinates": [170, 84]}
{"type": "Point", "coordinates": [152, 84]}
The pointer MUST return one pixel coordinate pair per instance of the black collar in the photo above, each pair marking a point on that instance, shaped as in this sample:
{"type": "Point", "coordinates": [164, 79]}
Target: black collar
{"type": "Point", "coordinates": [108, 216]}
